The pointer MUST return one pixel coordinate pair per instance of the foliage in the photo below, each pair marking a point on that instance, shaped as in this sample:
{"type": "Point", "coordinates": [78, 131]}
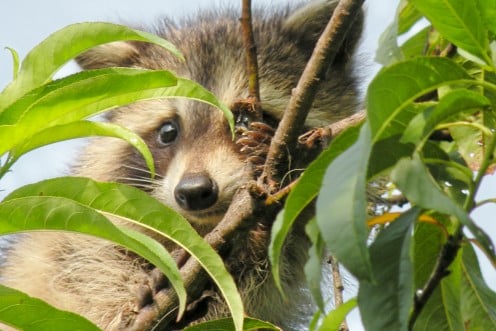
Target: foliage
{"type": "Point", "coordinates": [430, 130]}
{"type": "Point", "coordinates": [36, 110]}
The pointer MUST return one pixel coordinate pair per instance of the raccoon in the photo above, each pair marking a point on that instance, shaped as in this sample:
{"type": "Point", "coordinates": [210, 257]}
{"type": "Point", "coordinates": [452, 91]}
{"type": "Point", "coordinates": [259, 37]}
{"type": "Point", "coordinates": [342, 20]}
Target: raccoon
{"type": "Point", "coordinates": [199, 166]}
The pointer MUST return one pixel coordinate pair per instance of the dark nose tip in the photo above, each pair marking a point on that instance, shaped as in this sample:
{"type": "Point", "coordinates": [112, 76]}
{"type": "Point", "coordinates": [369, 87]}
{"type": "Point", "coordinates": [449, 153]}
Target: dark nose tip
{"type": "Point", "coordinates": [196, 192]}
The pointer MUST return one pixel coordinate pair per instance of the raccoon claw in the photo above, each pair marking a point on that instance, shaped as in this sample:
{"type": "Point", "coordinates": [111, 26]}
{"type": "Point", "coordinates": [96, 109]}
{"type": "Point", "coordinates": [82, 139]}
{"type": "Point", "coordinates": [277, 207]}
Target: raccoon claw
{"type": "Point", "coordinates": [158, 281]}
{"type": "Point", "coordinates": [144, 297]}
{"type": "Point", "coordinates": [255, 140]}
{"type": "Point", "coordinates": [254, 143]}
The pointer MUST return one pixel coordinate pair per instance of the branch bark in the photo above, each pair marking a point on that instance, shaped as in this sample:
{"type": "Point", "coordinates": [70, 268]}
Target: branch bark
{"type": "Point", "coordinates": [251, 59]}
{"type": "Point", "coordinates": [291, 124]}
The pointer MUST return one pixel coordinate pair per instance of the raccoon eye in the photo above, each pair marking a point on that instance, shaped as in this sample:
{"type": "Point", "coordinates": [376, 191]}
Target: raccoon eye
{"type": "Point", "coordinates": [167, 133]}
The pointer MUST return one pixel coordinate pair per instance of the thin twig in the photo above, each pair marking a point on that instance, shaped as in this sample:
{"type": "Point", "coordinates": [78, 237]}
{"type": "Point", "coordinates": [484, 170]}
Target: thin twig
{"type": "Point", "coordinates": [292, 122]}
{"type": "Point", "coordinates": [337, 282]}
{"type": "Point", "coordinates": [446, 257]}
{"type": "Point", "coordinates": [251, 58]}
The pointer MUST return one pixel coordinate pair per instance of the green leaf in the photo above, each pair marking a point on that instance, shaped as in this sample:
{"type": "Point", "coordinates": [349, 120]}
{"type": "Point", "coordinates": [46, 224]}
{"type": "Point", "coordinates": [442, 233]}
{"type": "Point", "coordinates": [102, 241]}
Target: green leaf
{"type": "Point", "coordinates": [303, 194]}
{"type": "Point", "coordinates": [487, 8]}
{"type": "Point", "coordinates": [342, 204]}
{"type": "Point", "coordinates": [27, 313]}
{"type": "Point", "coordinates": [385, 303]}
{"type": "Point", "coordinates": [454, 102]}
{"type": "Point", "coordinates": [460, 22]}
{"type": "Point", "coordinates": [416, 45]}
{"type": "Point", "coordinates": [59, 213]}
{"type": "Point", "coordinates": [76, 98]}
{"type": "Point", "coordinates": [388, 51]}
{"type": "Point", "coordinates": [313, 267]}
{"type": "Point", "coordinates": [333, 320]}
{"type": "Point", "coordinates": [414, 180]}
{"type": "Point", "coordinates": [408, 16]}
{"type": "Point", "coordinates": [45, 59]}
{"type": "Point", "coordinates": [393, 90]}
{"type": "Point", "coordinates": [81, 129]}
{"type": "Point", "coordinates": [478, 300]}
{"type": "Point", "coordinates": [442, 310]}
{"type": "Point", "coordinates": [15, 61]}
{"type": "Point", "coordinates": [227, 324]}
{"type": "Point", "coordinates": [137, 206]}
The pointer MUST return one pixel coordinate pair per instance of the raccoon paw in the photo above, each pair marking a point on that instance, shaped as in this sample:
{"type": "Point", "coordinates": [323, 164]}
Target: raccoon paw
{"type": "Point", "coordinates": [254, 143]}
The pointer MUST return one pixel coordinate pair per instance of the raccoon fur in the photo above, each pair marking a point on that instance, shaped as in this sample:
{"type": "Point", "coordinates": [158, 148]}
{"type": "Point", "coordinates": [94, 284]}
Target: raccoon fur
{"type": "Point", "coordinates": [193, 151]}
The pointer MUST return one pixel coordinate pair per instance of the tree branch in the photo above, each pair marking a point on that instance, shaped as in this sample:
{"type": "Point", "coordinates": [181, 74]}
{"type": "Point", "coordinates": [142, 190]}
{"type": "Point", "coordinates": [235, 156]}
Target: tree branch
{"type": "Point", "coordinates": [292, 122]}
{"type": "Point", "coordinates": [251, 59]}
{"type": "Point", "coordinates": [446, 257]}
{"type": "Point", "coordinates": [337, 282]}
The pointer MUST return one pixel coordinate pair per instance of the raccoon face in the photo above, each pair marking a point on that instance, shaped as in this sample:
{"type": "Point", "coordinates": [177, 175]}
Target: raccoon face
{"type": "Point", "coordinates": [199, 167]}
{"type": "Point", "coordinates": [202, 164]}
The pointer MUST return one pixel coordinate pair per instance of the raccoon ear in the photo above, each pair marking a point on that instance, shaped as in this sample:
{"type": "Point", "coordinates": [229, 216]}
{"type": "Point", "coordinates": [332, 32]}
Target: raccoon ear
{"type": "Point", "coordinates": [306, 24]}
{"type": "Point", "coordinates": [115, 54]}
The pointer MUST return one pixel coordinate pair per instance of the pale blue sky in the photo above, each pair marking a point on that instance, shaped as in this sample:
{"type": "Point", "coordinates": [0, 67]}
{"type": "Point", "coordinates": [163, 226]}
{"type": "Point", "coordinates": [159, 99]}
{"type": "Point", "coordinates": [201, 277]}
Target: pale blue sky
{"type": "Point", "coordinates": [23, 23]}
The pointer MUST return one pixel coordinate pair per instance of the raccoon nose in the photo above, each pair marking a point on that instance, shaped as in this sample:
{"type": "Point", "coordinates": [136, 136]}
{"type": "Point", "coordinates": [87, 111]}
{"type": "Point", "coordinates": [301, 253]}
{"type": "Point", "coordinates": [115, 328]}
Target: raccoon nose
{"type": "Point", "coordinates": [196, 192]}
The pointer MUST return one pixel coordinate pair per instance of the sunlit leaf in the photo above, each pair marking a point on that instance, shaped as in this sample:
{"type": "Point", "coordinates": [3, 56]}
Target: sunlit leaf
{"type": "Point", "coordinates": [460, 22]}
{"type": "Point", "coordinates": [84, 129]}
{"type": "Point", "coordinates": [454, 102]}
{"type": "Point", "coordinates": [137, 206]}
{"type": "Point", "coordinates": [334, 319]}
{"type": "Point", "coordinates": [51, 54]}
{"type": "Point", "coordinates": [26, 313]}
{"type": "Point", "coordinates": [57, 213]}
{"type": "Point", "coordinates": [394, 89]}
{"type": "Point", "coordinates": [15, 61]}
{"type": "Point", "coordinates": [76, 99]}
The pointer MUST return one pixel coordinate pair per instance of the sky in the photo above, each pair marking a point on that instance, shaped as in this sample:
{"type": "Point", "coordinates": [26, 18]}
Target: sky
{"type": "Point", "coordinates": [24, 23]}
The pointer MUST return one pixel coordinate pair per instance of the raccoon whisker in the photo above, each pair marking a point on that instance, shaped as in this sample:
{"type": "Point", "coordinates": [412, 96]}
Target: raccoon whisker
{"type": "Point", "coordinates": [141, 181]}
{"type": "Point", "coordinates": [141, 169]}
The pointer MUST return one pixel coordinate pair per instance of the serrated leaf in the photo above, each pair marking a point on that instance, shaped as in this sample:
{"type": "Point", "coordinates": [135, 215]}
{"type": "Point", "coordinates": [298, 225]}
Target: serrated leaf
{"type": "Point", "coordinates": [23, 312]}
{"type": "Point", "coordinates": [250, 324]}
{"type": "Point", "coordinates": [460, 22]}
{"type": "Point", "coordinates": [454, 102]}
{"type": "Point", "coordinates": [334, 319]}
{"type": "Point", "coordinates": [413, 179]}
{"type": "Point", "coordinates": [313, 267]}
{"type": "Point", "coordinates": [303, 194]}
{"type": "Point", "coordinates": [394, 89]}
{"type": "Point", "coordinates": [46, 58]}
{"type": "Point", "coordinates": [137, 206]}
{"type": "Point", "coordinates": [478, 300]}
{"type": "Point", "coordinates": [30, 213]}
{"type": "Point", "coordinates": [81, 129]}
{"type": "Point", "coordinates": [342, 205]}
{"type": "Point", "coordinates": [388, 307]}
